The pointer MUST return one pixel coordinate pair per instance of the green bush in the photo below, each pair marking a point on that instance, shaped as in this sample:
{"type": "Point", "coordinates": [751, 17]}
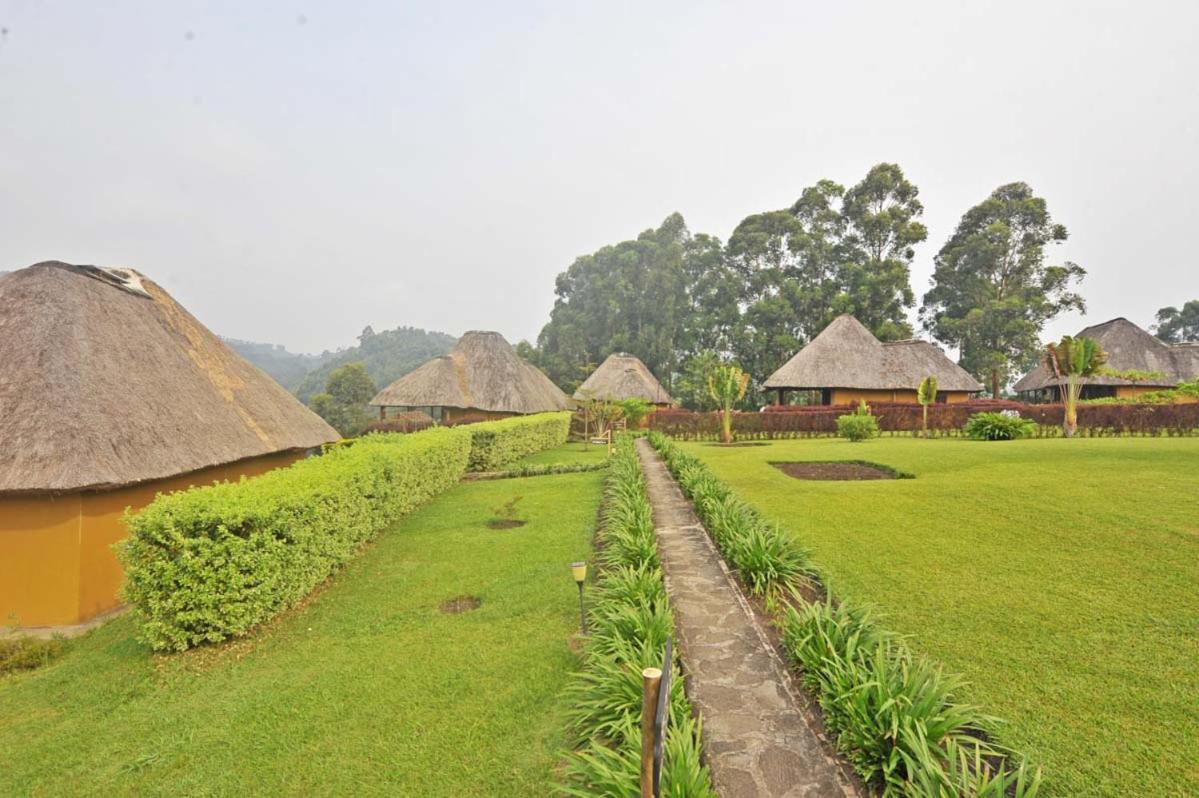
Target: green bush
{"type": "Point", "coordinates": [210, 563]}
{"type": "Point", "coordinates": [629, 622]}
{"type": "Point", "coordinates": [998, 427]}
{"type": "Point", "coordinates": [26, 653]}
{"type": "Point", "coordinates": [858, 425]}
{"type": "Point", "coordinates": [494, 444]}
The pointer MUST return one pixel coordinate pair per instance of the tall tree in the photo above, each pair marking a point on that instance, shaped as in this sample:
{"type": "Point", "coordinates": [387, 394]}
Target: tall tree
{"type": "Point", "coordinates": [833, 251]}
{"type": "Point", "coordinates": [344, 402]}
{"type": "Point", "coordinates": [992, 291]}
{"type": "Point", "coordinates": [629, 297]}
{"type": "Point", "coordinates": [1176, 326]}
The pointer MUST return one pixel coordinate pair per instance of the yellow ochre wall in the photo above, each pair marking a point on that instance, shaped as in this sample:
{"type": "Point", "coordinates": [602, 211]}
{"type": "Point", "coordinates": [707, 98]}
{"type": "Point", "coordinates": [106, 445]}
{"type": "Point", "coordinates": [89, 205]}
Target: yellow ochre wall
{"type": "Point", "coordinates": [57, 566]}
{"type": "Point", "coordinates": [847, 396]}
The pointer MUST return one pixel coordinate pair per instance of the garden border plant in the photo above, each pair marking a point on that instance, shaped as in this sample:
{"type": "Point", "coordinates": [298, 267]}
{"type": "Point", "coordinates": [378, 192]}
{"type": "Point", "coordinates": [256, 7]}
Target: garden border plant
{"type": "Point", "coordinates": [893, 713]}
{"type": "Point", "coordinates": [629, 621]}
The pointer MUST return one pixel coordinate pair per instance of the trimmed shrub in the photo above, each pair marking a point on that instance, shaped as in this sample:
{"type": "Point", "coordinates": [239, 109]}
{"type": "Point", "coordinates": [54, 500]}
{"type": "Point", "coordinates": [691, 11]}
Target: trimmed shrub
{"type": "Point", "coordinates": [858, 425]}
{"type": "Point", "coordinates": [494, 444]}
{"type": "Point", "coordinates": [211, 563]}
{"type": "Point", "coordinates": [999, 427]}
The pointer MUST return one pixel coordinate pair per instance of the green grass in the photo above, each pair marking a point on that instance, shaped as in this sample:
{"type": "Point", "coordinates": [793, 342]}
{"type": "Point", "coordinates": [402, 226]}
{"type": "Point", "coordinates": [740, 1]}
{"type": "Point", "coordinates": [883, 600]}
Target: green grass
{"type": "Point", "coordinates": [366, 690]}
{"type": "Point", "coordinates": [1059, 577]}
{"type": "Point", "coordinates": [567, 453]}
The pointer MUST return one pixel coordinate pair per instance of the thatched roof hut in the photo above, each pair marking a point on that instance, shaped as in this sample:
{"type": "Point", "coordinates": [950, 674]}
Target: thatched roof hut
{"type": "Point", "coordinates": [846, 360]}
{"type": "Point", "coordinates": [107, 381]}
{"type": "Point", "coordinates": [1128, 348]}
{"type": "Point", "coordinates": [482, 374]}
{"type": "Point", "coordinates": [623, 376]}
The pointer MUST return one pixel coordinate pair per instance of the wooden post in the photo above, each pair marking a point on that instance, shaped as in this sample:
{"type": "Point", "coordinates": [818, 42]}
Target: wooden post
{"type": "Point", "coordinates": [651, 680]}
{"type": "Point", "coordinates": [609, 441]}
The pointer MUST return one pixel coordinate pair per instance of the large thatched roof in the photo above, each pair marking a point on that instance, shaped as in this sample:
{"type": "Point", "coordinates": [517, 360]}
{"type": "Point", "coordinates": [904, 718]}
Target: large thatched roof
{"type": "Point", "coordinates": [847, 355]}
{"type": "Point", "coordinates": [482, 373]}
{"type": "Point", "coordinates": [105, 380]}
{"type": "Point", "coordinates": [623, 376]}
{"type": "Point", "coordinates": [1129, 348]}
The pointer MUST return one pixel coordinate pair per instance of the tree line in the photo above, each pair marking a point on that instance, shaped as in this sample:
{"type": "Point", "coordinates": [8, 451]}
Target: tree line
{"type": "Point", "coordinates": [684, 302]}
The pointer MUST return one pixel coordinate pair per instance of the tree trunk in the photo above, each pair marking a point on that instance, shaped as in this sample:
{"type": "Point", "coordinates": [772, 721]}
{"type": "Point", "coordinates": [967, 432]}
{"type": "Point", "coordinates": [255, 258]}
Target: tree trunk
{"type": "Point", "coordinates": [994, 383]}
{"type": "Point", "coordinates": [924, 426]}
{"type": "Point", "coordinates": [1070, 424]}
{"type": "Point", "coordinates": [726, 426]}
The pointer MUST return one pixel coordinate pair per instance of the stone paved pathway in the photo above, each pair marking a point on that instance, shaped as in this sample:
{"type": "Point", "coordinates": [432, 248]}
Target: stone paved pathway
{"type": "Point", "coordinates": [757, 737]}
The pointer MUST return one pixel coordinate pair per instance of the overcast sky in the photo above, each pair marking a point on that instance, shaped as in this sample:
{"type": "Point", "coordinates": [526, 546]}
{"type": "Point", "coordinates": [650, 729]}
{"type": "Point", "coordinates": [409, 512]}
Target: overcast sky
{"type": "Point", "coordinates": [292, 172]}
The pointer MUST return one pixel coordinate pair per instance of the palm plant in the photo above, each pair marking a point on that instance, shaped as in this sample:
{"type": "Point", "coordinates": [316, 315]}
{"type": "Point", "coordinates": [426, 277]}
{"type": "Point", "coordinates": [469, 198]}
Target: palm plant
{"type": "Point", "coordinates": [1073, 361]}
{"type": "Point", "coordinates": [726, 385]}
{"type": "Point", "coordinates": [926, 394]}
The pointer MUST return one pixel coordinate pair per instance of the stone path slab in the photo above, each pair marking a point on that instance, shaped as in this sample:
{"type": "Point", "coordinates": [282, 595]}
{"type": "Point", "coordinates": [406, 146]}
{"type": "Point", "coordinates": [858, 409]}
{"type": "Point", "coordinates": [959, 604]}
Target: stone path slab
{"type": "Point", "coordinates": [758, 739]}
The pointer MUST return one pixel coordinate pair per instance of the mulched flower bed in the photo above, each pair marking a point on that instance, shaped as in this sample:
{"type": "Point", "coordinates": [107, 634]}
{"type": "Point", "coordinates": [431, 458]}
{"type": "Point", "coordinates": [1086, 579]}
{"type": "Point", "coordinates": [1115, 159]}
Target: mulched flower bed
{"type": "Point", "coordinates": [836, 471]}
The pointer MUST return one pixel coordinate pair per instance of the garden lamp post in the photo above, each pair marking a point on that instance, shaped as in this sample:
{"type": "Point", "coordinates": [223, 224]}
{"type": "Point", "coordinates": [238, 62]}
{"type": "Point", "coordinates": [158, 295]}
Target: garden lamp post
{"type": "Point", "coordinates": [579, 569]}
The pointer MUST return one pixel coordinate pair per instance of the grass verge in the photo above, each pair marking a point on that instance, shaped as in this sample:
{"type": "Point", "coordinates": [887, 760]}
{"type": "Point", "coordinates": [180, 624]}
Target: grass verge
{"type": "Point", "coordinates": [367, 688]}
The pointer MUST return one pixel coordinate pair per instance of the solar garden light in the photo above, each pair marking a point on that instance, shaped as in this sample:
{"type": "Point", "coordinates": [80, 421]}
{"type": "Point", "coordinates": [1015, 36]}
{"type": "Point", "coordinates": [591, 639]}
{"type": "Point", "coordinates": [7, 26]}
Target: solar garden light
{"type": "Point", "coordinates": [579, 569]}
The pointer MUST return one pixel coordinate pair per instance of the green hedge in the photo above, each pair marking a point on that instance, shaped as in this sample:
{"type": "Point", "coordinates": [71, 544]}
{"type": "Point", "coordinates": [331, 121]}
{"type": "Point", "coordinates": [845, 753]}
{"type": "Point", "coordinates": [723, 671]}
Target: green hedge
{"type": "Point", "coordinates": [495, 444]}
{"type": "Point", "coordinates": [210, 563]}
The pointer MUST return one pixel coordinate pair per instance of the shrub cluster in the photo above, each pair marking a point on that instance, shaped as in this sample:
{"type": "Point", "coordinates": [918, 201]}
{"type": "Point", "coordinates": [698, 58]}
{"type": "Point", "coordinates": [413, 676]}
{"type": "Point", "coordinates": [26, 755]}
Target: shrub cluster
{"type": "Point", "coordinates": [24, 653]}
{"type": "Point", "coordinates": [766, 559]}
{"type": "Point", "coordinates": [629, 622]}
{"type": "Point", "coordinates": [893, 714]}
{"type": "Point", "coordinates": [859, 425]}
{"type": "Point", "coordinates": [998, 427]}
{"type": "Point", "coordinates": [210, 563]}
{"type": "Point", "coordinates": [494, 444]}
{"type": "Point", "coordinates": [943, 419]}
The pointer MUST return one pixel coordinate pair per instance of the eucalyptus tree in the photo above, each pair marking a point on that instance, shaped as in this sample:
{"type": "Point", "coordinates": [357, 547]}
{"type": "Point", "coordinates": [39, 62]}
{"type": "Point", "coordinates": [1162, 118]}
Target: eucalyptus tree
{"type": "Point", "coordinates": [1175, 326]}
{"type": "Point", "coordinates": [992, 290]}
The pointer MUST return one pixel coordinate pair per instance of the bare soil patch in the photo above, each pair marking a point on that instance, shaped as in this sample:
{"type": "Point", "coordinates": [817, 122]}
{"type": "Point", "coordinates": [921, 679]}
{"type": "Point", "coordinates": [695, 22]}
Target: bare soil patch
{"type": "Point", "coordinates": [738, 444]}
{"type": "Point", "coordinates": [836, 471]}
{"type": "Point", "coordinates": [505, 523]}
{"type": "Point", "coordinates": [460, 604]}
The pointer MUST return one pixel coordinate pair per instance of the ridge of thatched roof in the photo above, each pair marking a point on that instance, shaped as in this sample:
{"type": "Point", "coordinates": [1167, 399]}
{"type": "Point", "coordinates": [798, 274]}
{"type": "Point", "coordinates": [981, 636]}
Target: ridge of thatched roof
{"type": "Point", "coordinates": [483, 372]}
{"type": "Point", "coordinates": [623, 376]}
{"type": "Point", "coordinates": [107, 381]}
{"type": "Point", "coordinates": [1129, 348]}
{"type": "Point", "coordinates": [847, 355]}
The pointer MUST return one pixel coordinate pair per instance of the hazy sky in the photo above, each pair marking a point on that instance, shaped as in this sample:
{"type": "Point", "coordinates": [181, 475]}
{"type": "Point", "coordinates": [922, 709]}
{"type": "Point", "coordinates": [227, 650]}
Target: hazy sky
{"type": "Point", "coordinates": [295, 171]}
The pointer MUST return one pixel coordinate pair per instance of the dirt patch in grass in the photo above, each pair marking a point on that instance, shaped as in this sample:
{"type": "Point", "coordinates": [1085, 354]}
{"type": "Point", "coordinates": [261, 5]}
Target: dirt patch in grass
{"type": "Point", "coordinates": [840, 471]}
{"type": "Point", "coordinates": [505, 523]}
{"type": "Point", "coordinates": [460, 604]}
{"type": "Point", "coordinates": [738, 444]}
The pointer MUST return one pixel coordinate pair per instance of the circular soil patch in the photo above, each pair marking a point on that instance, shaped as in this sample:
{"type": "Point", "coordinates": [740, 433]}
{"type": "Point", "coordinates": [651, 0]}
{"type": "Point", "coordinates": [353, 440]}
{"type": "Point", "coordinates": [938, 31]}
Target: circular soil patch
{"type": "Point", "coordinates": [834, 471]}
{"type": "Point", "coordinates": [460, 604]}
{"type": "Point", "coordinates": [505, 523]}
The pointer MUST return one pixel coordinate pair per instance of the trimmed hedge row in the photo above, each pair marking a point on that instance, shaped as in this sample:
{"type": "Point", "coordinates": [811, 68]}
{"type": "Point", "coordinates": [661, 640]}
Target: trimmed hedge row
{"type": "Point", "coordinates": [211, 563]}
{"type": "Point", "coordinates": [893, 714]}
{"type": "Point", "coordinates": [943, 419]}
{"type": "Point", "coordinates": [496, 443]}
{"type": "Point", "coordinates": [629, 620]}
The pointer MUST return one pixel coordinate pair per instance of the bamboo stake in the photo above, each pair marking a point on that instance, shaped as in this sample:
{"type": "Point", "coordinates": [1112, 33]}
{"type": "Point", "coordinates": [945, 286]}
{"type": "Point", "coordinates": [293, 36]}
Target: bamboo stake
{"type": "Point", "coordinates": [651, 680]}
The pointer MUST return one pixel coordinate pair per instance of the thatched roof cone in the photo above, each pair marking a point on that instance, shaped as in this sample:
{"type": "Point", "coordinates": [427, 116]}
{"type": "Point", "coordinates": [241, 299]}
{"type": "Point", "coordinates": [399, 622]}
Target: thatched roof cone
{"type": "Point", "coordinates": [623, 376]}
{"type": "Point", "coordinates": [846, 355]}
{"type": "Point", "coordinates": [1129, 348]}
{"type": "Point", "coordinates": [482, 373]}
{"type": "Point", "coordinates": [107, 381]}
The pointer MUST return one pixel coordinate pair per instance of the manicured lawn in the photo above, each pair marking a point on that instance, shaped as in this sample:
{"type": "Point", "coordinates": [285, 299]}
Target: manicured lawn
{"type": "Point", "coordinates": [367, 690]}
{"type": "Point", "coordinates": [569, 453]}
{"type": "Point", "coordinates": [1061, 578]}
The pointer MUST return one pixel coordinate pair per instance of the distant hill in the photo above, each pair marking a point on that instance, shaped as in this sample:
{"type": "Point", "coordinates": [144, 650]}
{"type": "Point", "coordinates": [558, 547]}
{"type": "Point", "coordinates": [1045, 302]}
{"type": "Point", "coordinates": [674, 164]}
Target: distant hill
{"type": "Point", "coordinates": [288, 368]}
{"type": "Point", "coordinates": [388, 355]}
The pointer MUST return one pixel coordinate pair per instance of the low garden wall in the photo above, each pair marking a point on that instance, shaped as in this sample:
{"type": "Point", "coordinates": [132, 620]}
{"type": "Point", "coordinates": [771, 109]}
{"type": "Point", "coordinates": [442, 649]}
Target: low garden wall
{"type": "Point", "coordinates": [944, 419]}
